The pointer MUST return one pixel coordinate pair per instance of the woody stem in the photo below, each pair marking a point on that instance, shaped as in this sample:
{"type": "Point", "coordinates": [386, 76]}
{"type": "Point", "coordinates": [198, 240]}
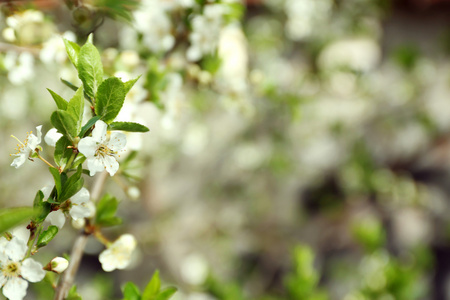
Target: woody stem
{"type": "Point", "coordinates": [78, 247]}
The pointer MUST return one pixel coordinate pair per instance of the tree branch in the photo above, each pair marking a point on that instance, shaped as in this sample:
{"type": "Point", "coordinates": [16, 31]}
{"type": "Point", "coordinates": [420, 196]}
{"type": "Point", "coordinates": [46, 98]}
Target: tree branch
{"type": "Point", "coordinates": [76, 255]}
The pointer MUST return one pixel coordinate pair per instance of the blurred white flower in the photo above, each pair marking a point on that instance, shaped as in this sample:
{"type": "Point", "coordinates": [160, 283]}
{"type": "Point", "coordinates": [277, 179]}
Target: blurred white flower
{"type": "Point", "coordinates": [52, 137]}
{"type": "Point", "coordinates": [129, 58]}
{"type": "Point", "coordinates": [28, 16]}
{"type": "Point", "coordinates": [54, 50]}
{"type": "Point", "coordinates": [100, 152]}
{"type": "Point", "coordinates": [133, 192]}
{"type": "Point", "coordinates": [305, 16]}
{"type": "Point", "coordinates": [232, 50]}
{"type": "Point", "coordinates": [195, 140]}
{"type": "Point", "coordinates": [206, 31]}
{"type": "Point", "coordinates": [174, 99]}
{"type": "Point", "coordinates": [15, 271]}
{"type": "Point", "coordinates": [118, 254]}
{"type": "Point", "coordinates": [358, 54]}
{"type": "Point", "coordinates": [27, 148]}
{"type": "Point", "coordinates": [20, 67]}
{"type": "Point", "coordinates": [152, 20]}
{"type": "Point", "coordinates": [9, 34]}
{"type": "Point", "coordinates": [194, 269]}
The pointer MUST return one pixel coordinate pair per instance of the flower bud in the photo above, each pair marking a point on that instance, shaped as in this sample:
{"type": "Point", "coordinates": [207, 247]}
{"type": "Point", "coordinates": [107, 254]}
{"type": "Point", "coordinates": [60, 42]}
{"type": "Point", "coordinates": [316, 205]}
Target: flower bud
{"type": "Point", "coordinates": [57, 265]}
{"type": "Point", "coordinates": [134, 193]}
{"type": "Point", "coordinates": [79, 223]}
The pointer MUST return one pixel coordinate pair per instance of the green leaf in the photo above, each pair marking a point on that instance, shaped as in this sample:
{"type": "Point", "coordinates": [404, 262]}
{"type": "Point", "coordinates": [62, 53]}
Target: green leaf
{"type": "Point", "coordinates": [128, 126]}
{"type": "Point", "coordinates": [166, 293]}
{"type": "Point", "coordinates": [75, 88]}
{"type": "Point", "coordinates": [73, 50]}
{"type": "Point", "coordinates": [11, 217]}
{"type": "Point", "coordinates": [106, 212]}
{"type": "Point", "coordinates": [57, 178]}
{"type": "Point", "coordinates": [152, 288]}
{"type": "Point", "coordinates": [76, 108]}
{"type": "Point", "coordinates": [64, 123]}
{"type": "Point", "coordinates": [78, 161]}
{"type": "Point", "coordinates": [131, 292]}
{"type": "Point", "coordinates": [73, 185]}
{"type": "Point", "coordinates": [90, 69]}
{"type": "Point", "coordinates": [38, 199]}
{"type": "Point", "coordinates": [41, 207]}
{"type": "Point", "coordinates": [46, 236]}
{"type": "Point", "coordinates": [129, 84]}
{"type": "Point", "coordinates": [211, 63]}
{"type": "Point", "coordinates": [88, 125]}
{"type": "Point", "coordinates": [60, 102]}
{"type": "Point", "coordinates": [62, 153]}
{"type": "Point", "coordinates": [110, 97]}
{"type": "Point", "coordinates": [70, 85]}
{"type": "Point", "coordinates": [73, 295]}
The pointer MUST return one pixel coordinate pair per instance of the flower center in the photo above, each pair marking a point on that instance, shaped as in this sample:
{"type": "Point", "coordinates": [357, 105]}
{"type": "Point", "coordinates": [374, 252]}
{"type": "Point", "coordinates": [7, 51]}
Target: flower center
{"type": "Point", "coordinates": [11, 270]}
{"type": "Point", "coordinates": [104, 150]}
{"type": "Point", "coordinates": [21, 146]}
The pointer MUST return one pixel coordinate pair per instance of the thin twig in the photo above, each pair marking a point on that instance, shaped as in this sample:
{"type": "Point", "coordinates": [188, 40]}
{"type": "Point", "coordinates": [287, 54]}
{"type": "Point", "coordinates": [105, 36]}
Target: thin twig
{"type": "Point", "coordinates": [78, 247]}
{"type": "Point", "coordinates": [4, 47]}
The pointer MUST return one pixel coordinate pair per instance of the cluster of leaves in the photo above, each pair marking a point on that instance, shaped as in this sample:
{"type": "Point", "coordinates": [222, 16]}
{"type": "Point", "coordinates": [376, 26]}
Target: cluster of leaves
{"type": "Point", "coordinates": [302, 283]}
{"type": "Point", "coordinates": [152, 291]}
{"type": "Point", "coordinates": [106, 98]}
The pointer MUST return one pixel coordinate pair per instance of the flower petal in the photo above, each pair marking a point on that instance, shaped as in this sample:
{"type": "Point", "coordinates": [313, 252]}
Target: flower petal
{"type": "Point", "coordinates": [21, 232]}
{"type": "Point", "coordinates": [95, 165]}
{"type": "Point", "coordinates": [3, 279]}
{"type": "Point", "coordinates": [99, 132]}
{"type": "Point", "coordinates": [46, 190]}
{"type": "Point", "coordinates": [57, 218]}
{"type": "Point", "coordinates": [117, 141]}
{"type": "Point", "coordinates": [34, 141]}
{"type": "Point", "coordinates": [127, 241]}
{"type": "Point", "coordinates": [32, 270]}
{"type": "Point", "coordinates": [16, 249]}
{"type": "Point", "coordinates": [107, 260]}
{"type": "Point", "coordinates": [15, 288]}
{"type": "Point", "coordinates": [39, 134]}
{"type": "Point", "coordinates": [19, 160]}
{"type": "Point", "coordinates": [111, 165]}
{"type": "Point", "coordinates": [81, 197]}
{"type": "Point", "coordinates": [87, 146]}
{"type": "Point", "coordinates": [52, 137]}
{"type": "Point", "coordinates": [79, 212]}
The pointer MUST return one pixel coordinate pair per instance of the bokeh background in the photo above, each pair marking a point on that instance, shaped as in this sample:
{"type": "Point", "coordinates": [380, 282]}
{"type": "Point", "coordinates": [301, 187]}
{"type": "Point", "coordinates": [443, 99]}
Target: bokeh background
{"type": "Point", "coordinates": [298, 149]}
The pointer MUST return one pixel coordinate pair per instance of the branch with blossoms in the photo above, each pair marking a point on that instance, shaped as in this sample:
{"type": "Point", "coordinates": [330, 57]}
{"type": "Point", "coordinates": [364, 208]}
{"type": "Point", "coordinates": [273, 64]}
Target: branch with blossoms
{"type": "Point", "coordinates": [81, 148]}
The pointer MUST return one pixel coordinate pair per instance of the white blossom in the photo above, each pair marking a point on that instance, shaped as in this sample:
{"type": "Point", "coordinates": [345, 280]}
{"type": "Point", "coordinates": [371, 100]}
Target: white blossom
{"type": "Point", "coordinates": [20, 67]}
{"type": "Point", "coordinates": [101, 152]}
{"type": "Point", "coordinates": [305, 16]}
{"type": "Point", "coordinates": [15, 270]}
{"type": "Point", "coordinates": [80, 207]}
{"type": "Point", "coordinates": [205, 31]}
{"type": "Point", "coordinates": [358, 54]}
{"type": "Point", "coordinates": [153, 21]}
{"type": "Point", "coordinates": [118, 254]}
{"type": "Point", "coordinates": [27, 148]}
